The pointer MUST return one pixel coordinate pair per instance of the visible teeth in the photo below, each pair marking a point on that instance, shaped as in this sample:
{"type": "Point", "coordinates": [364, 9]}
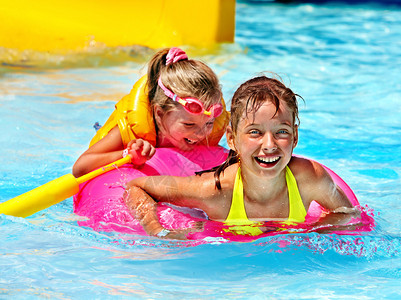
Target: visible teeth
{"type": "Point", "coordinates": [190, 141]}
{"type": "Point", "coordinates": [269, 159]}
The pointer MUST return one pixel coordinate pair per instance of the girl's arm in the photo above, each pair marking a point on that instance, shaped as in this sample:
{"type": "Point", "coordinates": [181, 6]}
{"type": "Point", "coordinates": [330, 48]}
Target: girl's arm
{"type": "Point", "coordinates": [182, 191]}
{"type": "Point", "coordinates": [110, 149]}
{"type": "Point", "coordinates": [328, 194]}
{"type": "Point", "coordinates": [317, 185]}
{"type": "Point", "coordinates": [144, 209]}
{"type": "Point", "coordinates": [190, 191]}
{"type": "Point", "coordinates": [342, 214]}
{"type": "Point", "coordinates": [105, 151]}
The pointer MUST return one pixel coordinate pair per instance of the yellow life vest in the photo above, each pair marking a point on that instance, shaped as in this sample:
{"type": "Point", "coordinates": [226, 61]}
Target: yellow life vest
{"type": "Point", "coordinates": [135, 119]}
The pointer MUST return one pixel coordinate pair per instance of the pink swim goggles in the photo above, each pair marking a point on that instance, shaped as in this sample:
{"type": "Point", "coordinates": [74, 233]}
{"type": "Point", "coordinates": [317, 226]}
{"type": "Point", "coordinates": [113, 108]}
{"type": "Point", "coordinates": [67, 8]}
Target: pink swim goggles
{"type": "Point", "coordinates": [192, 105]}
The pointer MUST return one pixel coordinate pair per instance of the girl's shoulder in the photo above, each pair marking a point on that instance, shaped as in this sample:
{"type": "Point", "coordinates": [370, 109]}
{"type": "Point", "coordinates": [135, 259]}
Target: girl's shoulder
{"type": "Point", "coordinates": [217, 202]}
{"type": "Point", "coordinates": [313, 181]}
{"type": "Point", "coordinates": [207, 181]}
{"type": "Point", "coordinates": [306, 169]}
{"type": "Point", "coordinates": [310, 176]}
{"type": "Point", "coordinates": [227, 177]}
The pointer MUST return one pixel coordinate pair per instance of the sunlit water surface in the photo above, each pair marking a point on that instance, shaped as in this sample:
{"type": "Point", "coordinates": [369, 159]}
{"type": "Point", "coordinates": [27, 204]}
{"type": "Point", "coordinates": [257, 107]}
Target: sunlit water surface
{"type": "Point", "coordinates": [345, 62]}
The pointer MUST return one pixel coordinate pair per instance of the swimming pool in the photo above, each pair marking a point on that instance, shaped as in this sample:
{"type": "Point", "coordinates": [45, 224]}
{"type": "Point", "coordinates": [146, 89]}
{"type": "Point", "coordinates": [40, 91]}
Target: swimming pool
{"type": "Point", "coordinates": [345, 62]}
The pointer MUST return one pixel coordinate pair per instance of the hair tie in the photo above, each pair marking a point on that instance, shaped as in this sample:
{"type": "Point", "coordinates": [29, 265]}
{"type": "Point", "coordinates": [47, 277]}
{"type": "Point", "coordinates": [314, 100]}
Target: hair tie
{"type": "Point", "coordinates": [175, 54]}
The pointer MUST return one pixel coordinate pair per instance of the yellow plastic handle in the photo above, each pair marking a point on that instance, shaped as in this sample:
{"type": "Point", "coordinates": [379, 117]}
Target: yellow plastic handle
{"type": "Point", "coordinates": [102, 170]}
{"type": "Point", "coordinates": [52, 192]}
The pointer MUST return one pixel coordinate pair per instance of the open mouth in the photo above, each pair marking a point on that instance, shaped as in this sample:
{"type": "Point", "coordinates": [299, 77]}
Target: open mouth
{"type": "Point", "coordinates": [267, 162]}
{"type": "Point", "coordinates": [190, 142]}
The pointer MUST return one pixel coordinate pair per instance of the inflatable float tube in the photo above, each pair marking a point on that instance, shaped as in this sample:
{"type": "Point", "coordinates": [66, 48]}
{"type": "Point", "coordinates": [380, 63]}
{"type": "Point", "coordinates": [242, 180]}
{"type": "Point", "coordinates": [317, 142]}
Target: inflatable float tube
{"type": "Point", "coordinates": [100, 200]}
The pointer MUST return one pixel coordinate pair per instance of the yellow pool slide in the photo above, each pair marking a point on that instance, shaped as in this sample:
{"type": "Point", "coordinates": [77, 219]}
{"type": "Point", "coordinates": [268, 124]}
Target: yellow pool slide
{"type": "Point", "coordinates": [60, 25]}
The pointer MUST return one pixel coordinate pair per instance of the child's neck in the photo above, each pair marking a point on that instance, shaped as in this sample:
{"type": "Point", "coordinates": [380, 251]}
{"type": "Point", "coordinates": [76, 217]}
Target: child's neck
{"type": "Point", "coordinates": [263, 189]}
{"type": "Point", "coordinates": [162, 142]}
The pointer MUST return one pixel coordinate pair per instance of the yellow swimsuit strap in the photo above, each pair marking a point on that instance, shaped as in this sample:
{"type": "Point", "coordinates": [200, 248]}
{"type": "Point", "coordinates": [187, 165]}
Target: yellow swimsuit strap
{"type": "Point", "coordinates": [297, 208]}
{"type": "Point", "coordinates": [237, 214]}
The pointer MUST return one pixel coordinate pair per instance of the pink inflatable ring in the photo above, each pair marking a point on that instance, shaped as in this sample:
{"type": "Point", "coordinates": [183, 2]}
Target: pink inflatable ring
{"type": "Point", "coordinates": [100, 200]}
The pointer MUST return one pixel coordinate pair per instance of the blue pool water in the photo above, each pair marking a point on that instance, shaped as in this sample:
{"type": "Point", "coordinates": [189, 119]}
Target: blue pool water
{"type": "Point", "coordinates": [343, 59]}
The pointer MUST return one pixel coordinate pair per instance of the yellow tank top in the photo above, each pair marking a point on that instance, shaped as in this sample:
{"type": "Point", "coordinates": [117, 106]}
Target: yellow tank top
{"type": "Point", "coordinates": [237, 214]}
{"type": "Point", "coordinates": [135, 119]}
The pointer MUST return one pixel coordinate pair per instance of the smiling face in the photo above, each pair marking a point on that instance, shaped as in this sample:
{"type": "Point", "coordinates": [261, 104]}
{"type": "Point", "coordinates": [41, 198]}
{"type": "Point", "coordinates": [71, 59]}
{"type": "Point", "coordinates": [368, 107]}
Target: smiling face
{"type": "Point", "coordinates": [180, 129]}
{"type": "Point", "coordinates": [265, 139]}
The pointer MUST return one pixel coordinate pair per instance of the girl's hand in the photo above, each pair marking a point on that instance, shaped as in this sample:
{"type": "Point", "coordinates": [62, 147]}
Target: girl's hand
{"type": "Point", "coordinates": [341, 219]}
{"type": "Point", "coordinates": [181, 234]}
{"type": "Point", "coordinates": [140, 151]}
{"type": "Point", "coordinates": [143, 208]}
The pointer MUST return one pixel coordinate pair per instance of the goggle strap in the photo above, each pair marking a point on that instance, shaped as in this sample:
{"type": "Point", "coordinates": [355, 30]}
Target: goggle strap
{"type": "Point", "coordinates": [181, 101]}
{"type": "Point", "coordinates": [166, 91]}
{"type": "Point", "coordinates": [174, 97]}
